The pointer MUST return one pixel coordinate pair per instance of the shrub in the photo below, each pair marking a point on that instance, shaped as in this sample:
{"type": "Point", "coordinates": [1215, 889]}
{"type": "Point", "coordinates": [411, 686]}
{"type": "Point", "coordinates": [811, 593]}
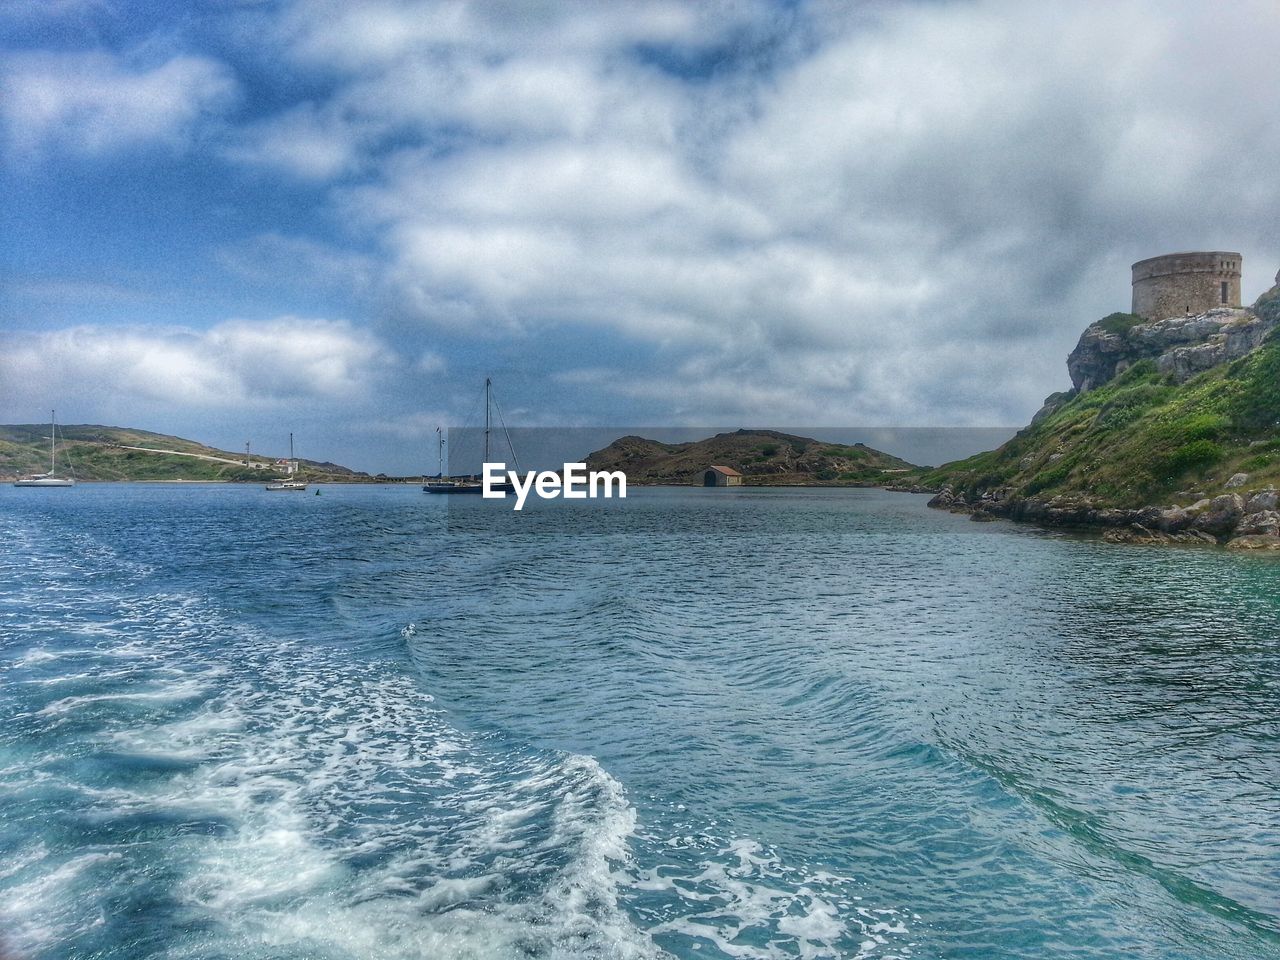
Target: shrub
{"type": "Point", "coordinates": [1120, 323]}
{"type": "Point", "coordinates": [1200, 426]}
{"type": "Point", "coordinates": [1197, 453]}
{"type": "Point", "coordinates": [1257, 405]}
{"type": "Point", "coordinates": [1047, 478]}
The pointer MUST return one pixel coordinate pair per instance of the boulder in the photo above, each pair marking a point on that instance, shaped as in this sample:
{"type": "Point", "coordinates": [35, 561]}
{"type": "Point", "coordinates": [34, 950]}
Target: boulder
{"type": "Point", "coordinates": [1262, 522]}
{"type": "Point", "coordinates": [1147, 516]}
{"type": "Point", "coordinates": [1173, 519]}
{"type": "Point", "coordinates": [1237, 480]}
{"type": "Point", "coordinates": [1221, 515]}
{"type": "Point", "coordinates": [1138, 533]}
{"type": "Point", "coordinates": [1263, 500]}
{"type": "Point", "coordinates": [944, 499]}
{"type": "Point", "coordinates": [1134, 533]}
{"type": "Point", "coordinates": [1254, 542]}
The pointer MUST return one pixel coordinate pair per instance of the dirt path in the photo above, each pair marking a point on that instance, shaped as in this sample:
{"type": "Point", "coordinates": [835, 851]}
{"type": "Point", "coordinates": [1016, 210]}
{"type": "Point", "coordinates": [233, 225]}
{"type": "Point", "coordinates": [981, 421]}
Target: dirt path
{"type": "Point", "coordinates": [179, 453]}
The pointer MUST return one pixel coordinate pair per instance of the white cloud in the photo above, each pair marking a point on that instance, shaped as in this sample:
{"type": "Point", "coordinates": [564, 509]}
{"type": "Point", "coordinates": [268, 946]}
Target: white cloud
{"type": "Point", "coordinates": [899, 212]}
{"type": "Point", "coordinates": [874, 224]}
{"type": "Point", "coordinates": [237, 364]}
{"type": "Point", "coordinates": [306, 141]}
{"type": "Point", "coordinates": [376, 34]}
{"type": "Point", "coordinates": [95, 103]}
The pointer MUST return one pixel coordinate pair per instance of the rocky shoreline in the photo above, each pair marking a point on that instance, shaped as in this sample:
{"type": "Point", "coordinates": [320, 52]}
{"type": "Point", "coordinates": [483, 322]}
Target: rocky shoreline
{"type": "Point", "coordinates": [1238, 521]}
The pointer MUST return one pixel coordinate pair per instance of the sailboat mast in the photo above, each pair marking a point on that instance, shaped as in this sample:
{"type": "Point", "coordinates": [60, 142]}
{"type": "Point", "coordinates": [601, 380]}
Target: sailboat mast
{"type": "Point", "coordinates": [53, 419]}
{"type": "Point", "coordinates": [488, 386]}
{"type": "Point", "coordinates": [439, 452]}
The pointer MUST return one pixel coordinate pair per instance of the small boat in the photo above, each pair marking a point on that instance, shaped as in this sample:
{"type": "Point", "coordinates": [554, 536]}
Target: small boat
{"type": "Point", "coordinates": [50, 479]}
{"type": "Point", "coordinates": [289, 483]}
{"type": "Point", "coordinates": [443, 484]}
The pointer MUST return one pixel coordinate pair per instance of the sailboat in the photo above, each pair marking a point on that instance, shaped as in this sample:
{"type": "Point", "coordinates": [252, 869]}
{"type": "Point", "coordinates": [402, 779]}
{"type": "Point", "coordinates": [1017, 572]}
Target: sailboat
{"type": "Point", "coordinates": [50, 479]}
{"type": "Point", "coordinates": [470, 484]}
{"type": "Point", "coordinates": [289, 483]}
{"type": "Point", "coordinates": [441, 484]}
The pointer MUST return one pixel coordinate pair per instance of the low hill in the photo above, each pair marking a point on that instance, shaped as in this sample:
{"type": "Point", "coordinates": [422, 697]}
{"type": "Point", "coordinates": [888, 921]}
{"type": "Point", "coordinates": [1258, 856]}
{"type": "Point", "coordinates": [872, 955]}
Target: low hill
{"type": "Point", "coordinates": [1172, 425]}
{"type": "Point", "coordinates": [96, 452]}
{"type": "Point", "coordinates": [763, 457]}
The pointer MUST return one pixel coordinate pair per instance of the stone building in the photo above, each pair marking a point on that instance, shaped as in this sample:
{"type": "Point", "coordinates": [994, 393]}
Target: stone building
{"type": "Point", "coordinates": [719, 476]}
{"type": "Point", "coordinates": [1177, 284]}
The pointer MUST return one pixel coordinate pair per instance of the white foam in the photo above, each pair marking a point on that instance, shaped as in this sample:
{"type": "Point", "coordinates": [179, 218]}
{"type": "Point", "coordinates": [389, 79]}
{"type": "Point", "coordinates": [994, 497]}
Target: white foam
{"type": "Point", "coordinates": [312, 761]}
{"type": "Point", "coordinates": [169, 693]}
{"type": "Point", "coordinates": [748, 903]}
{"type": "Point", "coordinates": [45, 909]}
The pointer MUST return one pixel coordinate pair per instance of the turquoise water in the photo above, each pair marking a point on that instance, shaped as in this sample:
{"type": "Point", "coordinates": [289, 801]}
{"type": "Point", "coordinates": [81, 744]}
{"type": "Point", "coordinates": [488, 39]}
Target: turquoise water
{"type": "Point", "coordinates": [699, 723]}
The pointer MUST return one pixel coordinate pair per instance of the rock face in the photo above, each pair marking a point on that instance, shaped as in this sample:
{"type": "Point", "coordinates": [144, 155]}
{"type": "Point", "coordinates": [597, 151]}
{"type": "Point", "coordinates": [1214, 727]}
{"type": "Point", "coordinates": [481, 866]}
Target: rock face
{"type": "Point", "coordinates": [1181, 346]}
{"type": "Point", "coordinates": [1254, 543]}
{"type": "Point", "coordinates": [1231, 519]}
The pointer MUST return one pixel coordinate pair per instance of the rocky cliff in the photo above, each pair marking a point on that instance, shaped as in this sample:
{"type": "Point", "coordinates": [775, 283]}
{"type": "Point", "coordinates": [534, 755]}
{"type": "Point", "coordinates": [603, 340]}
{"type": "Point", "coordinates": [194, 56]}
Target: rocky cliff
{"type": "Point", "coordinates": [1181, 347]}
{"type": "Point", "coordinates": [1170, 433]}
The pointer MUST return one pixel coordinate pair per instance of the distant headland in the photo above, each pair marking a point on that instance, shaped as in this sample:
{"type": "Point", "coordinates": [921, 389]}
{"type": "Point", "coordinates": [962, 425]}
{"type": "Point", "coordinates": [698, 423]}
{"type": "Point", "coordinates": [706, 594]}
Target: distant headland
{"type": "Point", "coordinates": [94, 452]}
{"type": "Point", "coordinates": [750, 458]}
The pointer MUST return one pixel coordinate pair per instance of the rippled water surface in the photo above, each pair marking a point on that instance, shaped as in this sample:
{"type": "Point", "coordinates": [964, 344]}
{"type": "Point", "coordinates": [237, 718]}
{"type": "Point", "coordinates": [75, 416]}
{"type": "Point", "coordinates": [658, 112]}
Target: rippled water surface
{"type": "Point", "coordinates": [699, 723]}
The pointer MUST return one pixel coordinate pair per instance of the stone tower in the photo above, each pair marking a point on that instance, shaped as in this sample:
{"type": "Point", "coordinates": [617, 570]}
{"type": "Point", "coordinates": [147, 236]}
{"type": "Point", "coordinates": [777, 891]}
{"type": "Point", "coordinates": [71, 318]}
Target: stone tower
{"type": "Point", "coordinates": [1177, 284]}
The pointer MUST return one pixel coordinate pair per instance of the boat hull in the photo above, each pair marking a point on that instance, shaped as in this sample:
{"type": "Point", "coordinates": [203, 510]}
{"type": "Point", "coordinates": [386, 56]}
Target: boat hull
{"type": "Point", "coordinates": [45, 482]}
{"type": "Point", "coordinates": [503, 488]}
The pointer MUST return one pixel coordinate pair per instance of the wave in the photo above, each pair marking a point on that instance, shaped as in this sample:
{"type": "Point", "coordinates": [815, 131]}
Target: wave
{"type": "Point", "coordinates": [256, 793]}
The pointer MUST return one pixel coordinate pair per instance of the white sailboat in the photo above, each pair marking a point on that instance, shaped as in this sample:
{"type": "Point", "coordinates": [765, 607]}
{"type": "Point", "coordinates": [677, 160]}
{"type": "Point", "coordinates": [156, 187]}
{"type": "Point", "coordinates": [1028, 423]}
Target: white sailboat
{"type": "Point", "coordinates": [50, 479]}
{"type": "Point", "coordinates": [289, 482]}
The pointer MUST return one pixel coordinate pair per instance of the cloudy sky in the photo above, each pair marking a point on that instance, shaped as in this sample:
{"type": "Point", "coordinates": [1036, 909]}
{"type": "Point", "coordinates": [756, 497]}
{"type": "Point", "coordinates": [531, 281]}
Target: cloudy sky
{"type": "Point", "coordinates": [231, 220]}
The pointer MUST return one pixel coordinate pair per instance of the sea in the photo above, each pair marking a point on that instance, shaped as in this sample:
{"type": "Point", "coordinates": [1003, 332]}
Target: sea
{"type": "Point", "coordinates": [695, 723]}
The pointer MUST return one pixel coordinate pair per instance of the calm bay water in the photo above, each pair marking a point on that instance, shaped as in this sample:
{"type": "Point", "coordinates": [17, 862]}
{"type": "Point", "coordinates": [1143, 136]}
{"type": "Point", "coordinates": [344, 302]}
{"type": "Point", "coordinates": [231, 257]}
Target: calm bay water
{"type": "Point", "coordinates": [699, 723]}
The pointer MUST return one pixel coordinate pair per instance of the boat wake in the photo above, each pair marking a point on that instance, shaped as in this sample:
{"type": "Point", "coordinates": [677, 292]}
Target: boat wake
{"type": "Point", "coordinates": [269, 796]}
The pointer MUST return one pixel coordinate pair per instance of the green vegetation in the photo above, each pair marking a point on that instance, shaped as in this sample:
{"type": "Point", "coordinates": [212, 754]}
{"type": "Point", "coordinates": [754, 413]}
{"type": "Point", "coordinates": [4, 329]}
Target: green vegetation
{"type": "Point", "coordinates": [764, 457]}
{"type": "Point", "coordinates": [1119, 323]}
{"type": "Point", "coordinates": [1142, 439]}
{"type": "Point", "coordinates": [93, 452]}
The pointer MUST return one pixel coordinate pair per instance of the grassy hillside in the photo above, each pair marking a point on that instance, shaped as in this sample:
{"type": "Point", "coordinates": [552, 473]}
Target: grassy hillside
{"type": "Point", "coordinates": [1142, 439]}
{"type": "Point", "coordinates": [762, 456]}
{"type": "Point", "coordinates": [95, 452]}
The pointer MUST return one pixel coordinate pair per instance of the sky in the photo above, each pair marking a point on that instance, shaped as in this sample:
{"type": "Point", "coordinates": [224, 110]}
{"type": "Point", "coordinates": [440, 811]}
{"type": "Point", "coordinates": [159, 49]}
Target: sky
{"type": "Point", "coordinates": [235, 220]}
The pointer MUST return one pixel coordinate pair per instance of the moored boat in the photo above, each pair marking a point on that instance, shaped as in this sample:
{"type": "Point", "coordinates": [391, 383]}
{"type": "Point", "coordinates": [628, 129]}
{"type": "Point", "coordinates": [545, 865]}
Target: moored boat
{"type": "Point", "coordinates": [50, 479]}
{"type": "Point", "coordinates": [443, 484]}
{"type": "Point", "coordinates": [289, 483]}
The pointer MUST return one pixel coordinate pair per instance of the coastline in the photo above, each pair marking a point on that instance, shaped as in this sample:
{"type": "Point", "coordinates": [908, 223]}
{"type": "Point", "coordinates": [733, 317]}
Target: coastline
{"type": "Point", "coordinates": [1233, 520]}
